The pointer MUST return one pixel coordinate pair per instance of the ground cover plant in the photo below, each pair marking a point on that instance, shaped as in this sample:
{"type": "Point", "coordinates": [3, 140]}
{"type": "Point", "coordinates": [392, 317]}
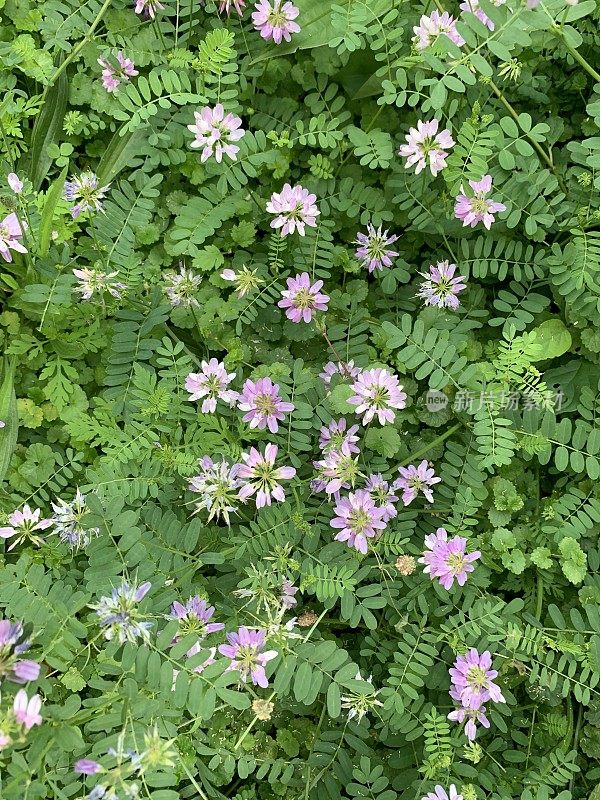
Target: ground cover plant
{"type": "Point", "coordinates": [299, 399]}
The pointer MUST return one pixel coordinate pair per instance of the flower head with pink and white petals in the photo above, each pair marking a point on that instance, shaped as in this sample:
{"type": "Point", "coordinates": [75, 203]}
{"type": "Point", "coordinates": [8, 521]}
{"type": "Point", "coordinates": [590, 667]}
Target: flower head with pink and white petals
{"type": "Point", "coordinates": [447, 559]}
{"type": "Point", "coordinates": [335, 472]}
{"type": "Point", "coordinates": [216, 133]}
{"type": "Point", "coordinates": [263, 406]}
{"type": "Point", "coordinates": [112, 75]}
{"type": "Point", "coordinates": [440, 288]}
{"type": "Point", "coordinates": [22, 526]}
{"type": "Point", "coordinates": [426, 147]}
{"type": "Point", "coordinates": [359, 519]}
{"type": "Point", "coordinates": [27, 710]}
{"type": "Point", "coordinates": [413, 480]}
{"type": "Point", "coordinates": [474, 7]}
{"type": "Point", "coordinates": [194, 618]}
{"type": "Point", "coordinates": [237, 4]}
{"type": "Point", "coordinates": [94, 280]}
{"type": "Point", "coordinates": [439, 793]}
{"type": "Point", "coordinates": [478, 208]}
{"type": "Point", "coordinates": [11, 230]}
{"type": "Point", "coordinates": [276, 21]}
{"type": "Point", "coordinates": [218, 486]}
{"type": "Point", "coordinates": [85, 189]}
{"type": "Point", "coordinates": [246, 650]}
{"type": "Point", "coordinates": [471, 716]}
{"type": "Point", "coordinates": [262, 476]}
{"type": "Point", "coordinates": [301, 299]}
{"type": "Point", "coordinates": [346, 370]}
{"type": "Point", "coordinates": [372, 249]}
{"type": "Point", "coordinates": [383, 495]}
{"type": "Point", "coordinates": [295, 208]}
{"type": "Point", "coordinates": [336, 437]}
{"type": "Point", "coordinates": [211, 385]}
{"type": "Point", "coordinates": [431, 28]}
{"type": "Point", "coordinates": [148, 7]}
{"type": "Point", "coordinates": [377, 393]}
{"type": "Point", "coordinates": [473, 679]}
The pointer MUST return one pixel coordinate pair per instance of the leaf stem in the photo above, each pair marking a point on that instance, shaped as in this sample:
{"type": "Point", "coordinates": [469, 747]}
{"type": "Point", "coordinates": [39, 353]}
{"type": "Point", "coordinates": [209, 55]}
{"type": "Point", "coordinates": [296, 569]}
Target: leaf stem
{"type": "Point", "coordinates": [78, 48]}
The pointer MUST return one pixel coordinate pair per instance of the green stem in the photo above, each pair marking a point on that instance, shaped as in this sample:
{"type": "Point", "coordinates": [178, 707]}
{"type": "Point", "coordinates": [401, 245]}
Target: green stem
{"type": "Point", "coordinates": [78, 48]}
{"type": "Point", "coordinates": [431, 445]}
{"type": "Point", "coordinates": [539, 603]}
{"type": "Point", "coordinates": [578, 57]}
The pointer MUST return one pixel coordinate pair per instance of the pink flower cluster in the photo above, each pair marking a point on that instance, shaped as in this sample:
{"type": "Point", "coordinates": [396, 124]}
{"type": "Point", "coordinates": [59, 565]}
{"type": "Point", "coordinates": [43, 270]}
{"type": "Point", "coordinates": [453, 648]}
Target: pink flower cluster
{"type": "Point", "coordinates": [216, 133]}
{"type": "Point", "coordinates": [472, 686]}
{"type": "Point", "coordinates": [222, 486]}
{"type": "Point", "coordinates": [478, 207]}
{"type": "Point", "coordinates": [276, 21]}
{"type": "Point", "coordinates": [426, 147]}
{"type": "Point", "coordinates": [447, 559]}
{"type": "Point", "coordinates": [112, 75]}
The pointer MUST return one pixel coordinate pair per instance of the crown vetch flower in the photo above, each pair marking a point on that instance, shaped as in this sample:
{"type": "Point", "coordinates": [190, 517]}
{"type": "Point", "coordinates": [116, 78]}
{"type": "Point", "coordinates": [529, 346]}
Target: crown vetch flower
{"type": "Point", "coordinates": [377, 393]}
{"type": "Point", "coordinates": [383, 495]}
{"type": "Point", "coordinates": [447, 559]}
{"type": "Point", "coordinates": [474, 680]}
{"type": "Point", "coordinates": [336, 471]}
{"type": "Point", "coordinates": [413, 480]}
{"type": "Point", "coordinates": [119, 615]}
{"type": "Point", "coordinates": [216, 133]}
{"type": "Point", "coordinates": [237, 4]}
{"type": "Point", "coordinates": [148, 7]}
{"type": "Point", "coordinates": [276, 21]}
{"type": "Point", "coordinates": [11, 230]}
{"type": "Point", "coordinates": [22, 524]}
{"type": "Point", "coordinates": [12, 647]}
{"type": "Point", "coordinates": [112, 76]}
{"type": "Point", "coordinates": [474, 7]}
{"type": "Point", "coordinates": [263, 406]}
{"type": "Point", "coordinates": [372, 249]}
{"type": "Point", "coordinates": [478, 208]}
{"type": "Point", "coordinates": [430, 28]}
{"type": "Point", "coordinates": [211, 385]}
{"type": "Point", "coordinates": [218, 485]}
{"type": "Point", "coordinates": [335, 437]}
{"type": "Point", "coordinates": [194, 617]}
{"type": "Point", "coordinates": [15, 183]}
{"type": "Point", "coordinates": [301, 299]}
{"type": "Point", "coordinates": [263, 476]}
{"type": "Point", "coordinates": [440, 287]}
{"type": "Point", "coordinates": [180, 287]}
{"type": "Point", "coordinates": [295, 207]}
{"type": "Point", "coordinates": [359, 520]}
{"type": "Point", "coordinates": [93, 280]}
{"type": "Point", "coordinates": [472, 716]}
{"type": "Point", "coordinates": [425, 146]}
{"type": "Point", "coordinates": [84, 188]}
{"type": "Point", "coordinates": [439, 793]}
{"type": "Point", "coordinates": [346, 370]}
{"type": "Point", "coordinates": [67, 519]}
{"type": "Point", "coordinates": [246, 650]}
